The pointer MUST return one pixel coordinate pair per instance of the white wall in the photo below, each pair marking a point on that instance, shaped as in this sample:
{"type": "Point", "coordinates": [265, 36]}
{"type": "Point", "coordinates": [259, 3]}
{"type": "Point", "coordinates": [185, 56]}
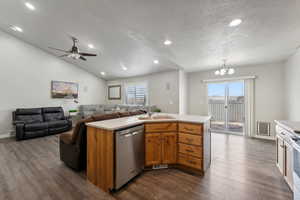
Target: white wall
{"type": "Point", "coordinates": [292, 87]}
{"type": "Point", "coordinates": [183, 95]}
{"type": "Point", "coordinates": [269, 91]}
{"type": "Point", "coordinates": [25, 80]}
{"type": "Point", "coordinates": [163, 90]}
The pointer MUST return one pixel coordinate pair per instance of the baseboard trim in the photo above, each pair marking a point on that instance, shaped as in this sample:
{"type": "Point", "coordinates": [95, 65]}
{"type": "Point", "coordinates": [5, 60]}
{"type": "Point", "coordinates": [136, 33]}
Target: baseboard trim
{"type": "Point", "coordinates": [6, 135]}
{"type": "Point", "coordinates": [264, 137]}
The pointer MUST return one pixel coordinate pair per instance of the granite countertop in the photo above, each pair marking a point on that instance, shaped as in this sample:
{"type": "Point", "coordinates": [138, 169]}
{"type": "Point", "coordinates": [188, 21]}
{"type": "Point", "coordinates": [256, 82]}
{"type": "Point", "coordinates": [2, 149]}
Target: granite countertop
{"type": "Point", "coordinates": [292, 126]}
{"type": "Point", "coordinates": [124, 122]}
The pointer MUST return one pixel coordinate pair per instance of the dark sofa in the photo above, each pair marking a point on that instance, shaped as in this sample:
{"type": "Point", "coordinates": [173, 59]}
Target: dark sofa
{"type": "Point", "coordinates": [37, 122]}
{"type": "Point", "coordinates": [72, 144]}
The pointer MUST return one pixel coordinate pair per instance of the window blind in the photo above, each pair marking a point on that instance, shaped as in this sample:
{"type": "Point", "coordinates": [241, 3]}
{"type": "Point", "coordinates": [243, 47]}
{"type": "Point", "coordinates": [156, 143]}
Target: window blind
{"type": "Point", "coordinates": [136, 94]}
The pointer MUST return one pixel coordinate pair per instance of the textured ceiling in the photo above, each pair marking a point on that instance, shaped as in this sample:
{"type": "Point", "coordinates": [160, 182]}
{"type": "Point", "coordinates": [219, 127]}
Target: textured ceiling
{"type": "Point", "coordinates": [131, 32]}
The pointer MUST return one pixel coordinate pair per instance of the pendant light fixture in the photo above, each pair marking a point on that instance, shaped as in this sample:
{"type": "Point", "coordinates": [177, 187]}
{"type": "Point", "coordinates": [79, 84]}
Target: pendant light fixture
{"type": "Point", "coordinates": [224, 70]}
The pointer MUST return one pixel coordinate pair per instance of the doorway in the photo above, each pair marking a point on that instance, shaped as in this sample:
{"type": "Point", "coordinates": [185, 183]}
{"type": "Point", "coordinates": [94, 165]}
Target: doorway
{"type": "Point", "coordinates": [226, 105]}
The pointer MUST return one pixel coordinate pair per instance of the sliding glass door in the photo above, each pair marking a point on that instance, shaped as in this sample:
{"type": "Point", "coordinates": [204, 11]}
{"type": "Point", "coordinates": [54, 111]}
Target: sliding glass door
{"type": "Point", "coordinates": [216, 105]}
{"type": "Point", "coordinates": [226, 105]}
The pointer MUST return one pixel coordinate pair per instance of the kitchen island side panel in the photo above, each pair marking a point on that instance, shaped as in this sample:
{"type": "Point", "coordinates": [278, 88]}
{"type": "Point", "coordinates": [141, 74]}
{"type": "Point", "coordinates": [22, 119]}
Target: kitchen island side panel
{"type": "Point", "coordinates": [100, 158]}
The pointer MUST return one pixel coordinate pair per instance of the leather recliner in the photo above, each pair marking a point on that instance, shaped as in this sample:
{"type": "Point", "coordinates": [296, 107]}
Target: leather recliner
{"type": "Point", "coordinates": [56, 120]}
{"type": "Point", "coordinates": [37, 122]}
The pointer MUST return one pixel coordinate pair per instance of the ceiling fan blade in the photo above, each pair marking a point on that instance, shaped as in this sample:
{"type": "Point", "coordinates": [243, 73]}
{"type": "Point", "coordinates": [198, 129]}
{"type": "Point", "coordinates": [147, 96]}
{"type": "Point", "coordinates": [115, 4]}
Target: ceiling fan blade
{"type": "Point", "coordinates": [63, 55]}
{"type": "Point", "coordinates": [88, 54]}
{"type": "Point", "coordinates": [82, 58]}
{"type": "Point", "coordinates": [58, 49]}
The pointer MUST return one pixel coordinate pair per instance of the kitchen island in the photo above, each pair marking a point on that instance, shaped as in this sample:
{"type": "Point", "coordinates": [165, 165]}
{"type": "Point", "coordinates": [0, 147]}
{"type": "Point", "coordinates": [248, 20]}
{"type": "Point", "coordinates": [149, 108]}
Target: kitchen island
{"type": "Point", "coordinates": [169, 140]}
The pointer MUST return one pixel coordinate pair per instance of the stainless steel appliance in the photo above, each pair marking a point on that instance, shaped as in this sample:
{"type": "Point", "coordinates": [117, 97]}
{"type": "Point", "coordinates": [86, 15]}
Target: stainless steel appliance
{"type": "Point", "coordinates": [130, 154]}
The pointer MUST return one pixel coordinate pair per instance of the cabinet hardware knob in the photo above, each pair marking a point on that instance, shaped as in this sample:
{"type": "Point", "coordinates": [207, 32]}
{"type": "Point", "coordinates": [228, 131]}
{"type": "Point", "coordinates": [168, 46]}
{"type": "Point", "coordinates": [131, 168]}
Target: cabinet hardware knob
{"type": "Point", "coordinates": [192, 162]}
{"type": "Point", "coordinates": [189, 150]}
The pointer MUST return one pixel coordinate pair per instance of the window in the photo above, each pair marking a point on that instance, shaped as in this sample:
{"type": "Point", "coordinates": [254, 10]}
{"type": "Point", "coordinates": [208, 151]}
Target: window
{"type": "Point", "coordinates": [136, 94]}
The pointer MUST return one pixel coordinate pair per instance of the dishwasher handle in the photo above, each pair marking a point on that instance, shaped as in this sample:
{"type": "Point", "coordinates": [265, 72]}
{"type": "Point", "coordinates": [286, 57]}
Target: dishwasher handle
{"type": "Point", "coordinates": [130, 134]}
{"type": "Point", "coordinates": [125, 135]}
{"type": "Point", "coordinates": [136, 132]}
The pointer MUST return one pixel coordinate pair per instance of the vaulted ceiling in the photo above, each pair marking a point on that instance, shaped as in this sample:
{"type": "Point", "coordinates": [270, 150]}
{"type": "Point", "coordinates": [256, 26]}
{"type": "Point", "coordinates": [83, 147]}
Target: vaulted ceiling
{"type": "Point", "coordinates": [131, 32]}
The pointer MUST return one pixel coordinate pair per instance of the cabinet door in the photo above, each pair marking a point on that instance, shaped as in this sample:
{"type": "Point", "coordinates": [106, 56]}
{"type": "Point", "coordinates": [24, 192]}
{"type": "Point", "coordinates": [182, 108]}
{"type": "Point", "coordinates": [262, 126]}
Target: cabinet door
{"type": "Point", "coordinates": [153, 149]}
{"type": "Point", "coordinates": [280, 154]}
{"type": "Point", "coordinates": [289, 165]}
{"type": "Point", "coordinates": [169, 148]}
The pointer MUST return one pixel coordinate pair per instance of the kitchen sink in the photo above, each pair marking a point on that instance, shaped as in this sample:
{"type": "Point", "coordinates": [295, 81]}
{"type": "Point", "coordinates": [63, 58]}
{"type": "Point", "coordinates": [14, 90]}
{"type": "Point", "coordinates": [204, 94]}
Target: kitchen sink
{"type": "Point", "coordinates": [156, 117]}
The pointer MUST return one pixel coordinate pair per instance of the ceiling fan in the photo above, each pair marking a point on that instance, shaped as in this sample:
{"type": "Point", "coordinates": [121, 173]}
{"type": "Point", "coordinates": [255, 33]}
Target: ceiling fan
{"type": "Point", "coordinates": [74, 51]}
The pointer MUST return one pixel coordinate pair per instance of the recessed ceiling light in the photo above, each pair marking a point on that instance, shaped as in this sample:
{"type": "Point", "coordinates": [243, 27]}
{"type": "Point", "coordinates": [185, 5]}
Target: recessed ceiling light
{"type": "Point", "coordinates": [156, 61]}
{"type": "Point", "coordinates": [123, 66]}
{"type": "Point", "coordinates": [91, 46]}
{"type": "Point", "coordinates": [102, 73]}
{"type": "Point", "coordinates": [16, 28]}
{"type": "Point", "coordinates": [235, 22]}
{"type": "Point", "coordinates": [167, 42]}
{"type": "Point", "coordinates": [29, 6]}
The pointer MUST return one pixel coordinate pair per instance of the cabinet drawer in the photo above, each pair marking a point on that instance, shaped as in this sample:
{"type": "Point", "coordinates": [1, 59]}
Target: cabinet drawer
{"type": "Point", "coordinates": [190, 128]}
{"type": "Point", "coordinates": [190, 139]}
{"type": "Point", "coordinates": [190, 150]}
{"type": "Point", "coordinates": [160, 127]}
{"type": "Point", "coordinates": [190, 161]}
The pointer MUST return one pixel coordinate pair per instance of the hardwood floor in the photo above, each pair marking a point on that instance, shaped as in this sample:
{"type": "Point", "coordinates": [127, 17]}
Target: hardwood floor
{"type": "Point", "coordinates": [241, 169]}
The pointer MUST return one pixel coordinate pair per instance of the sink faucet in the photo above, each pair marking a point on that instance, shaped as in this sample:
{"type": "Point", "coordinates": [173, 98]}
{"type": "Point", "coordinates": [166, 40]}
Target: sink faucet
{"type": "Point", "coordinates": [149, 113]}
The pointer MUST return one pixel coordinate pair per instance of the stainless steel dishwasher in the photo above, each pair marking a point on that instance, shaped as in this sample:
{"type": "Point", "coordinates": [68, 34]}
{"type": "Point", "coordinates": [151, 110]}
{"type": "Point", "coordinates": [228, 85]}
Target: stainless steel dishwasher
{"type": "Point", "coordinates": [130, 154]}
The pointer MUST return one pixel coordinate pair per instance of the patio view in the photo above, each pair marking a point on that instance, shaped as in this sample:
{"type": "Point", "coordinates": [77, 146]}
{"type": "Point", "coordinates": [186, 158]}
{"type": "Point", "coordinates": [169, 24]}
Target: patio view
{"type": "Point", "coordinates": [226, 105]}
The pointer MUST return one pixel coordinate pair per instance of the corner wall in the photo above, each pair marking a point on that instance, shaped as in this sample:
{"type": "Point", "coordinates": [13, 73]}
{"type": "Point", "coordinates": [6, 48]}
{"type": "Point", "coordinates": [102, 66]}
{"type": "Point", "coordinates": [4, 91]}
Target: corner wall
{"type": "Point", "coordinates": [26, 75]}
{"type": "Point", "coordinates": [183, 94]}
{"type": "Point", "coordinates": [292, 87]}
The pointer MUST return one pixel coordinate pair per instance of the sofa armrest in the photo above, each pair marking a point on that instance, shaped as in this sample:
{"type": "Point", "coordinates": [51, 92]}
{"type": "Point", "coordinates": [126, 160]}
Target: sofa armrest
{"type": "Point", "coordinates": [19, 131]}
{"type": "Point", "coordinates": [18, 122]}
{"type": "Point", "coordinates": [14, 121]}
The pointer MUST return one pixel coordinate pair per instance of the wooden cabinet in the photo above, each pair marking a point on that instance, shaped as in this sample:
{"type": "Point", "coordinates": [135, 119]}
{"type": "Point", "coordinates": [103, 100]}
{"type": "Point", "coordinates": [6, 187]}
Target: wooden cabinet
{"type": "Point", "coordinates": [161, 148]}
{"type": "Point", "coordinates": [175, 143]}
{"type": "Point", "coordinates": [190, 128]}
{"type": "Point", "coordinates": [160, 127]}
{"type": "Point", "coordinates": [190, 145]}
{"type": "Point", "coordinates": [153, 149]}
{"type": "Point", "coordinates": [190, 150]}
{"type": "Point", "coordinates": [190, 139]}
{"type": "Point", "coordinates": [280, 154]}
{"type": "Point", "coordinates": [100, 158]}
{"type": "Point", "coordinates": [189, 161]}
{"type": "Point", "coordinates": [169, 148]}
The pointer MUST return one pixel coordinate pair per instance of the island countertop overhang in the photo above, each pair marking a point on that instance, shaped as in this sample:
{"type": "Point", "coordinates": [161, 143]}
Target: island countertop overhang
{"type": "Point", "coordinates": [124, 122]}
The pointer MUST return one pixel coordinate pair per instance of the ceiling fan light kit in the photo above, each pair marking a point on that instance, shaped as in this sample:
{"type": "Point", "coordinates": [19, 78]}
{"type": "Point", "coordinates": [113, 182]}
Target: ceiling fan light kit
{"type": "Point", "coordinates": [224, 70]}
{"type": "Point", "coordinates": [74, 52]}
